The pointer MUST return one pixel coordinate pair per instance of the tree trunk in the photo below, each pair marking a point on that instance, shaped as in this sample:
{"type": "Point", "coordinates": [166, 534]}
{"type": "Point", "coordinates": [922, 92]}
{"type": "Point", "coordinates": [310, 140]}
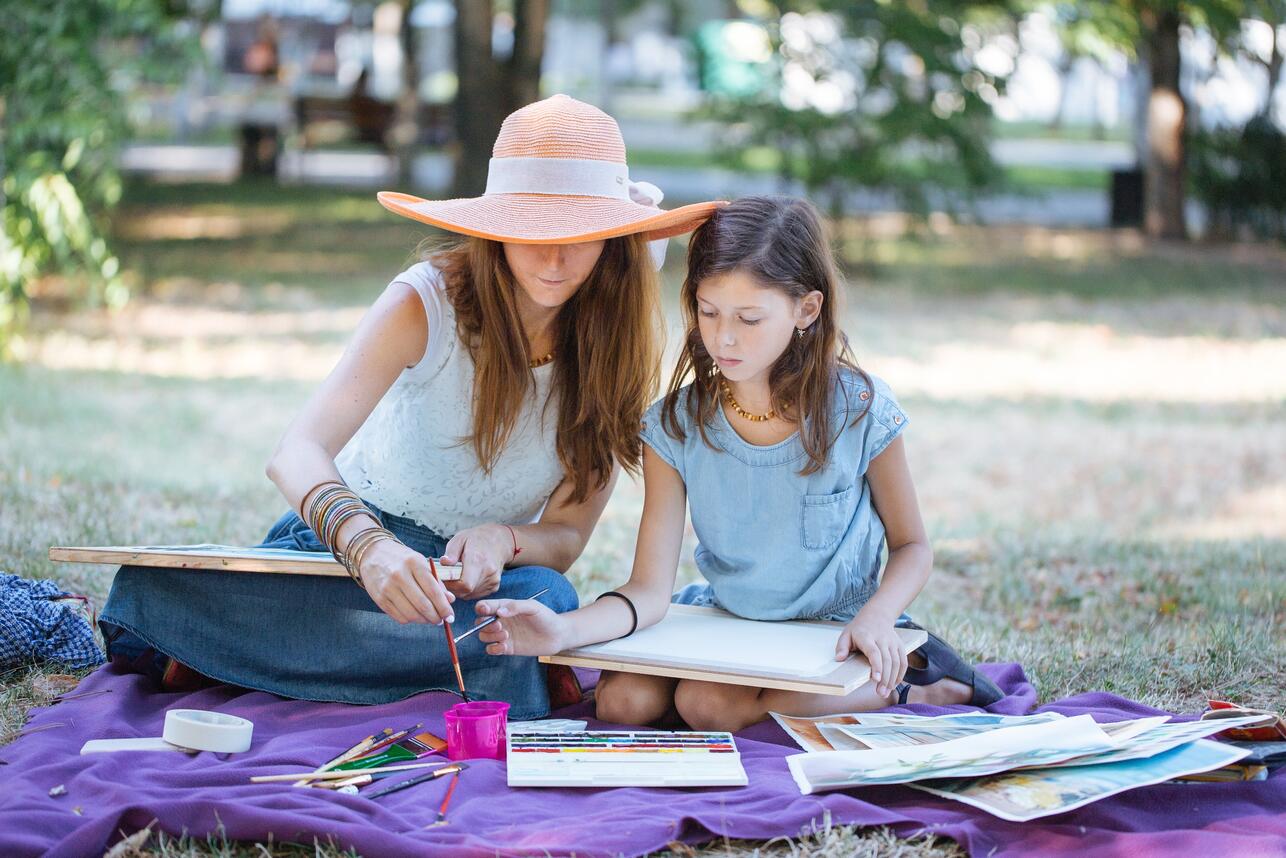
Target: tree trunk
{"type": "Point", "coordinates": [1163, 166]}
{"type": "Point", "coordinates": [404, 135]}
{"type": "Point", "coordinates": [490, 90]}
{"type": "Point", "coordinates": [479, 101]}
{"type": "Point", "coordinates": [523, 71]}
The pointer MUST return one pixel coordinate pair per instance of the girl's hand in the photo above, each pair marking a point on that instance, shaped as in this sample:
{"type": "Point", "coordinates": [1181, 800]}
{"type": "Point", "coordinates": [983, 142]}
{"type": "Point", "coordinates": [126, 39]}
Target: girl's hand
{"type": "Point", "coordinates": [872, 634]}
{"type": "Point", "coordinates": [525, 627]}
{"type": "Point", "coordinates": [400, 582]}
{"type": "Point", "coordinates": [483, 551]}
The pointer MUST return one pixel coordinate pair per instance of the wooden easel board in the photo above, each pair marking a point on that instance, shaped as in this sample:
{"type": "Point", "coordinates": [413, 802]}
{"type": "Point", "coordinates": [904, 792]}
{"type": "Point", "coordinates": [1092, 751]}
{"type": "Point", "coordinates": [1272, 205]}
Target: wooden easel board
{"type": "Point", "coordinates": [711, 645]}
{"type": "Point", "coordinates": [228, 558]}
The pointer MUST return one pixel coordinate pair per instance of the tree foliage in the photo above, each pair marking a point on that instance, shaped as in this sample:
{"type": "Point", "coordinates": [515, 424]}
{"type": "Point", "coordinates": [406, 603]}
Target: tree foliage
{"type": "Point", "coordinates": [888, 96]}
{"type": "Point", "coordinates": [62, 117]}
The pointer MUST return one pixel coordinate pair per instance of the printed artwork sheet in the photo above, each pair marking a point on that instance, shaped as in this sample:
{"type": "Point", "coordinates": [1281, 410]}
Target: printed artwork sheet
{"type": "Point", "coordinates": [985, 753]}
{"type": "Point", "coordinates": [1032, 793]}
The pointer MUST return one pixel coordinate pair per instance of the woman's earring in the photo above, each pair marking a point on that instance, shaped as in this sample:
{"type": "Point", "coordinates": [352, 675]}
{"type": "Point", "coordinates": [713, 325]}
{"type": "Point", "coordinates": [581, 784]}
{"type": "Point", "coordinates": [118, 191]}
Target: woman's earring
{"type": "Point", "coordinates": [799, 333]}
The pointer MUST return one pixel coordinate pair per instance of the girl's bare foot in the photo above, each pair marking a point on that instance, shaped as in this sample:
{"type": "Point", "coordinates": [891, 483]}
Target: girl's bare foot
{"type": "Point", "coordinates": [944, 692]}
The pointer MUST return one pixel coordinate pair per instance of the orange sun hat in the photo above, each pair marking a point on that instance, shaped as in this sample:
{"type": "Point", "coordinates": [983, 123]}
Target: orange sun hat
{"type": "Point", "coordinates": [557, 176]}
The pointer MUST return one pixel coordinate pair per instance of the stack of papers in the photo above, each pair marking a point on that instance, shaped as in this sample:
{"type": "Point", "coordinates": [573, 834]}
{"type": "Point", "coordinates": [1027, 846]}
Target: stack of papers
{"type": "Point", "coordinates": [1017, 767]}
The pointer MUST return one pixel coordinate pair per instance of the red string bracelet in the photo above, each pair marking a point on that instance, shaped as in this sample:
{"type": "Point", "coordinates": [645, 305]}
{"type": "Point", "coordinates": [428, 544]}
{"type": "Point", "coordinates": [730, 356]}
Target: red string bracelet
{"type": "Point", "coordinates": [514, 536]}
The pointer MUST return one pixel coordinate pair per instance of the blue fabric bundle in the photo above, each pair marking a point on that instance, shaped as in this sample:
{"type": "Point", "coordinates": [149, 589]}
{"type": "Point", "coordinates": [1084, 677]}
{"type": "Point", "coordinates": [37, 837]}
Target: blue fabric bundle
{"type": "Point", "coordinates": [34, 626]}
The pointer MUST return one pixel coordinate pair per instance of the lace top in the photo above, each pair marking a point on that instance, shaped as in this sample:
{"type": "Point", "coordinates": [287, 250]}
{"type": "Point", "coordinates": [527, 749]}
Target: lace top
{"type": "Point", "coordinates": [409, 458]}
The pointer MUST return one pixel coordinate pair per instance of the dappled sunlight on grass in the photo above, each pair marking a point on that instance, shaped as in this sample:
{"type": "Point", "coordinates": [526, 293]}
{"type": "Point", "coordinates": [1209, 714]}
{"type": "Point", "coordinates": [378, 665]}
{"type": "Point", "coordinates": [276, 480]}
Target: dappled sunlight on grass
{"type": "Point", "coordinates": [1094, 364]}
{"type": "Point", "coordinates": [170, 225]}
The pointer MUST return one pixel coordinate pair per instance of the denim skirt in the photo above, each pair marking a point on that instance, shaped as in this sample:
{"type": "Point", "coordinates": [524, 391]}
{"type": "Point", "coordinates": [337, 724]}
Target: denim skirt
{"type": "Point", "coordinates": [314, 637]}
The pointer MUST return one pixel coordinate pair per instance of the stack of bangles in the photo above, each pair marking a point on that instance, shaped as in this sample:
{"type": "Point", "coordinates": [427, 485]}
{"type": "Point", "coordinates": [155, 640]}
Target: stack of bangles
{"type": "Point", "coordinates": [333, 505]}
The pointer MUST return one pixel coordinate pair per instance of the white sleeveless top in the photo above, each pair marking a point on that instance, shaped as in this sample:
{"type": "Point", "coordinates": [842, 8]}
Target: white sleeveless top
{"type": "Point", "coordinates": [409, 459]}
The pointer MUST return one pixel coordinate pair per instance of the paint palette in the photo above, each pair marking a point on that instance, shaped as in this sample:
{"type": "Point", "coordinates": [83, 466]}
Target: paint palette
{"type": "Point", "coordinates": [645, 758]}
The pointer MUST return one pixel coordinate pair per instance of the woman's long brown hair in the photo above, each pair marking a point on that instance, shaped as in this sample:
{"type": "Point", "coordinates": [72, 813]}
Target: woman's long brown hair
{"type": "Point", "coordinates": [606, 355]}
{"type": "Point", "coordinates": [780, 242]}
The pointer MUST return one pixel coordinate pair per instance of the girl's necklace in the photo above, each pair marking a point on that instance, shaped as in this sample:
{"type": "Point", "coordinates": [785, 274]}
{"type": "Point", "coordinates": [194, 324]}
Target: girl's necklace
{"type": "Point", "coordinates": [540, 361]}
{"type": "Point", "coordinates": [732, 400]}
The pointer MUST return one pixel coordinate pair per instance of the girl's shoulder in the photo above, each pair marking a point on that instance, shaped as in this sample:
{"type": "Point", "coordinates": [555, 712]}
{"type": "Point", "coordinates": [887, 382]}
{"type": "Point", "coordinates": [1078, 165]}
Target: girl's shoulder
{"type": "Point", "coordinates": [868, 416]}
{"type": "Point", "coordinates": [659, 434]}
{"type": "Point", "coordinates": [859, 392]}
{"type": "Point", "coordinates": [656, 411]}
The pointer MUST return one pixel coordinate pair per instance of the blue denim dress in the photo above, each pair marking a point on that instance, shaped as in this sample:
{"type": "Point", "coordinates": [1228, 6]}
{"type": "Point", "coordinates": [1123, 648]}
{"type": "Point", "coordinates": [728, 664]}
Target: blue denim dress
{"type": "Point", "coordinates": [775, 545]}
{"type": "Point", "coordinates": [321, 638]}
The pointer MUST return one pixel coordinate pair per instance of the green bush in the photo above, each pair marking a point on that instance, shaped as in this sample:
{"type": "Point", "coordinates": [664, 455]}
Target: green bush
{"type": "Point", "coordinates": [1240, 175]}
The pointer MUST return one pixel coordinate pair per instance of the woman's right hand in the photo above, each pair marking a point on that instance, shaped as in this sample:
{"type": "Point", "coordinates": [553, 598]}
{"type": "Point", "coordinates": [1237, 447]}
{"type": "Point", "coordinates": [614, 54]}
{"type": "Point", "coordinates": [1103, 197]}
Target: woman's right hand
{"type": "Point", "coordinates": [523, 627]}
{"type": "Point", "coordinates": [400, 582]}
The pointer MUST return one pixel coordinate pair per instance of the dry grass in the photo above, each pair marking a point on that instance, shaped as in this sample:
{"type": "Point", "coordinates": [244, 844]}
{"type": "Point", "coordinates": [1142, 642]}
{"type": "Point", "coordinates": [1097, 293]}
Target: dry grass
{"type": "Point", "coordinates": [1097, 437]}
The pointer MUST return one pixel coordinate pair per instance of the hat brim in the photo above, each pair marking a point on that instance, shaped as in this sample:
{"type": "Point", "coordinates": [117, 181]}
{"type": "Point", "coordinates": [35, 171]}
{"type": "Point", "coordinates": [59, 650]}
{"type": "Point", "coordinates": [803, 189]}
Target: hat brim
{"type": "Point", "coordinates": [548, 218]}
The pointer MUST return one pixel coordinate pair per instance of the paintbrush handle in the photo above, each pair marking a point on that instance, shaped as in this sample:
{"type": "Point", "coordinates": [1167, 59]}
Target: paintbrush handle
{"type": "Point", "coordinates": [449, 769]}
{"type": "Point", "coordinates": [482, 625]}
{"type": "Point", "coordinates": [338, 775]}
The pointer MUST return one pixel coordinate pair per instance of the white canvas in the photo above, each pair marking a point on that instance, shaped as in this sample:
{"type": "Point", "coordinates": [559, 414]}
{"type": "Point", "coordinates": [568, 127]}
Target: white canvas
{"type": "Point", "coordinates": [730, 643]}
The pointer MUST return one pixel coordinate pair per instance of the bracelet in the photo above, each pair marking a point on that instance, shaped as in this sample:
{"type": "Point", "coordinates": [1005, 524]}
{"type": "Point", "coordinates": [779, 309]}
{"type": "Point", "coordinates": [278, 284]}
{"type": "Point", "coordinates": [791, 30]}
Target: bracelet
{"type": "Point", "coordinates": [358, 546]}
{"type": "Point", "coordinates": [328, 491]}
{"type": "Point", "coordinates": [352, 561]}
{"type": "Point", "coordinates": [633, 611]}
{"type": "Point", "coordinates": [322, 507]}
{"type": "Point", "coordinates": [303, 504]}
{"type": "Point", "coordinates": [341, 512]}
{"type": "Point", "coordinates": [514, 537]}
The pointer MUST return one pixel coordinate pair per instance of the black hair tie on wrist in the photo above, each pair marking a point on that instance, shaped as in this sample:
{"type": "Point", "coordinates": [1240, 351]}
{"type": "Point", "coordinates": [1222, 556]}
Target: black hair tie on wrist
{"type": "Point", "coordinates": [633, 611]}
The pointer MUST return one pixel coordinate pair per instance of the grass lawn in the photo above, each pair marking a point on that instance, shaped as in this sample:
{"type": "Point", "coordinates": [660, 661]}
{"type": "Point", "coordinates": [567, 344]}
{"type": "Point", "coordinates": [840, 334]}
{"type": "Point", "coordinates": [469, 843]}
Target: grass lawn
{"type": "Point", "coordinates": [1098, 434]}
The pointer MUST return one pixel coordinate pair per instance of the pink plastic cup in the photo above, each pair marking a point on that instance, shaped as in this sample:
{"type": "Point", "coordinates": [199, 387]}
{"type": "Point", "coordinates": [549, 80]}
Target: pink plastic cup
{"type": "Point", "coordinates": [477, 730]}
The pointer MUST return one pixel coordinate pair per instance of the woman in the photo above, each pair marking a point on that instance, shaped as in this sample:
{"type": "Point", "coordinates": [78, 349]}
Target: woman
{"type": "Point", "coordinates": [481, 413]}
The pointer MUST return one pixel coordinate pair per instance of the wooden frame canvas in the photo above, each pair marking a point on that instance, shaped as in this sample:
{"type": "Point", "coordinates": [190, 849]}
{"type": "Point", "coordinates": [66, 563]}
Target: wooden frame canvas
{"type": "Point", "coordinates": [228, 558]}
{"type": "Point", "coordinates": [736, 651]}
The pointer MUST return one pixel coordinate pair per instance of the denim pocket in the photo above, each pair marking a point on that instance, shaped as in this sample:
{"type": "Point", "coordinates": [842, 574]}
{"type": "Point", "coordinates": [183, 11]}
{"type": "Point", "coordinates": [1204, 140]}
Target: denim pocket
{"type": "Point", "coordinates": [825, 518]}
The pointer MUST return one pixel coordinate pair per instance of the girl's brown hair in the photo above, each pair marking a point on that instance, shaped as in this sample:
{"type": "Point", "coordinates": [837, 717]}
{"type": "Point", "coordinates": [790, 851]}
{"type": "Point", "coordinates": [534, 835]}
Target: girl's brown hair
{"type": "Point", "coordinates": [606, 354]}
{"type": "Point", "coordinates": [780, 242]}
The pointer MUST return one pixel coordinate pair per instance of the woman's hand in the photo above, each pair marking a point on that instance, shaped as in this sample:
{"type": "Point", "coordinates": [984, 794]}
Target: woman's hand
{"type": "Point", "coordinates": [483, 551]}
{"type": "Point", "coordinates": [524, 627]}
{"type": "Point", "coordinates": [872, 634]}
{"type": "Point", "coordinates": [402, 585]}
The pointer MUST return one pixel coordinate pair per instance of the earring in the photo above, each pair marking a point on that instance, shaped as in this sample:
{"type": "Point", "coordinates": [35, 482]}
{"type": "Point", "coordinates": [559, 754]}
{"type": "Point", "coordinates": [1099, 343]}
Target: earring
{"type": "Point", "coordinates": [799, 333]}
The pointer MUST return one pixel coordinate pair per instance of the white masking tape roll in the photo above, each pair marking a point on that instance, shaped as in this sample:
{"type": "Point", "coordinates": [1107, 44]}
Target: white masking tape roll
{"type": "Point", "coordinates": [207, 731]}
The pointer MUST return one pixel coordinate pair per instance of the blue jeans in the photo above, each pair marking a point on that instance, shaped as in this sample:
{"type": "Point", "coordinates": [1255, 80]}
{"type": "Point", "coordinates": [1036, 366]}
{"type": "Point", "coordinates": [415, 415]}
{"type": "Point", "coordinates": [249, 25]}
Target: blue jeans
{"type": "Point", "coordinates": [320, 638]}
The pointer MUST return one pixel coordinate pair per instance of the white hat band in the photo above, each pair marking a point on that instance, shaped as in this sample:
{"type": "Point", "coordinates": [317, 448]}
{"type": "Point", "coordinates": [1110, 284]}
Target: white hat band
{"type": "Point", "coordinates": [578, 177]}
{"type": "Point", "coordinates": [574, 177]}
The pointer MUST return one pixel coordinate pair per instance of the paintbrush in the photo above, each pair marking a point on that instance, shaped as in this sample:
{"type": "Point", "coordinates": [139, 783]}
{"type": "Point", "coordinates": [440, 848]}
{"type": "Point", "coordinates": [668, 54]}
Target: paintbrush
{"type": "Point", "coordinates": [455, 655]}
{"type": "Point", "coordinates": [385, 742]}
{"type": "Point", "coordinates": [410, 748]}
{"type": "Point", "coordinates": [489, 620]}
{"type": "Point", "coordinates": [339, 775]}
{"type": "Point", "coordinates": [360, 748]}
{"type": "Point", "coordinates": [442, 808]}
{"type": "Point", "coordinates": [452, 769]}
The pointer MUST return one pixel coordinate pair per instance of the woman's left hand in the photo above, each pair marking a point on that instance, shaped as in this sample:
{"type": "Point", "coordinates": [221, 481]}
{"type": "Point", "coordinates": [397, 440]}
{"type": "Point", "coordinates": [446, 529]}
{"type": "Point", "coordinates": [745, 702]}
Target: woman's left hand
{"type": "Point", "coordinates": [483, 551]}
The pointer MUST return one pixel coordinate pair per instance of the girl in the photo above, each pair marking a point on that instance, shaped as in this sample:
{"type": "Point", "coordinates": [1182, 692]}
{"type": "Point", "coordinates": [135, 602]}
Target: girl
{"type": "Point", "coordinates": [791, 461]}
{"type": "Point", "coordinates": [482, 411]}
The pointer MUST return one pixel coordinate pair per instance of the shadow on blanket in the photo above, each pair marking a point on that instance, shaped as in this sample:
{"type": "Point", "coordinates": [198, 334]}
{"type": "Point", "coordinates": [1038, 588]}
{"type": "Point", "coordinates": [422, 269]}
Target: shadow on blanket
{"type": "Point", "coordinates": [113, 793]}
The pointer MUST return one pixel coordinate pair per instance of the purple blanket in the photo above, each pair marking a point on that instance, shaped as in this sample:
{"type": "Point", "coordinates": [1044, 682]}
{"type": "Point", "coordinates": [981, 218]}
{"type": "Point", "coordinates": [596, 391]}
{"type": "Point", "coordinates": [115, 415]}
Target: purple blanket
{"type": "Point", "coordinates": [111, 794]}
